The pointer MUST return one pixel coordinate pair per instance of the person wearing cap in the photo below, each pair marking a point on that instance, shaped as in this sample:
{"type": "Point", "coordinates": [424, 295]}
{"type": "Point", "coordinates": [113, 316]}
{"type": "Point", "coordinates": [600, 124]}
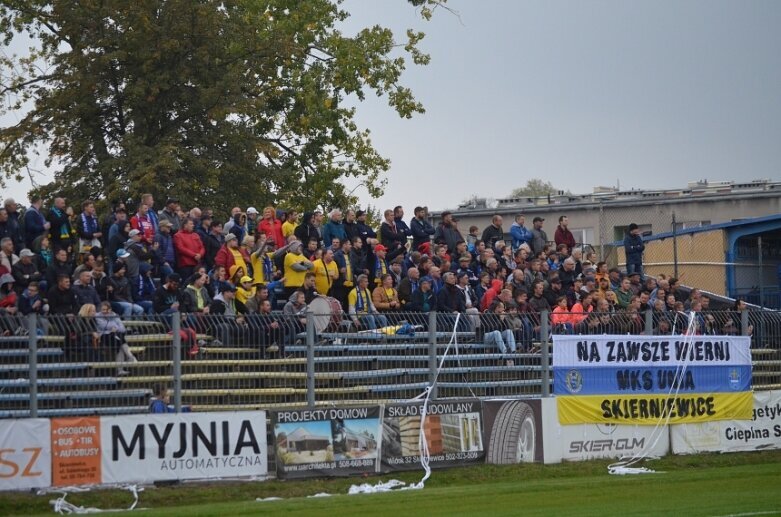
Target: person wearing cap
{"type": "Point", "coordinates": [423, 299]}
{"type": "Point", "coordinates": [448, 232]}
{"type": "Point", "coordinates": [189, 249]}
{"type": "Point", "coordinates": [213, 239]}
{"type": "Point", "coordinates": [119, 292]}
{"type": "Point", "coordinates": [378, 261]}
{"type": "Point", "coordinates": [251, 223]}
{"type": "Point", "coordinates": [171, 214]}
{"type": "Point", "coordinates": [139, 252]}
{"type": "Point", "coordinates": [326, 272]}
{"type": "Point", "coordinates": [144, 223]}
{"type": "Point", "coordinates": [231, 254]}
{"type": "Point", "coordinates": [25, 270]}
{"type": "Point", "coordinates": [168, 298]}
{"type": "Point", "coordinates": [539, 237]}
{"type": "Point", "coordinates": [365, 232]}
{"type": "Point", "coordinates": [245, 290]}
{"type": "Point", "coordinates": [296, 266]}
{"type": "Point", "coordinates": [633, 248]}
{"type": "Point", "coordinates": [615, 276]}
{"type": "Point", "coordinates": [231, 328]}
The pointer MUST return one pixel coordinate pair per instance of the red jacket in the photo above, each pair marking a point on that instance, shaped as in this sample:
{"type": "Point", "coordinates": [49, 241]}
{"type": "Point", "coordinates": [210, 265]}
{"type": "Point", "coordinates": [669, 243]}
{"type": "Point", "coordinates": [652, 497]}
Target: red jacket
{"type": "Point", "coordinates": [564, 236]}
{"type": "Point", "coordinates": [145, 226]}
{"type": "Point", "coordinates": [187, 246]}
{"type": "Point", "coordinates": [272, 229]}
{"type": "Point", "coordinates": [490, 295]}
{"type": "Point", "coordinates": [225, 258]}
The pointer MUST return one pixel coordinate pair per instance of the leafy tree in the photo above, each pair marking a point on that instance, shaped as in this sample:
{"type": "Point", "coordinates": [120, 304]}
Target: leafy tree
{"type": "Point", "coordinates": [536, 187]}
{"type": "Point", "coordinates": [216, 102]}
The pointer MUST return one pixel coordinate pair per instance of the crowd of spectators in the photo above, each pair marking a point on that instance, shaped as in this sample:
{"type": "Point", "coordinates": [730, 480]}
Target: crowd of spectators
{"type": "Point", "coordinates": [63, 263]}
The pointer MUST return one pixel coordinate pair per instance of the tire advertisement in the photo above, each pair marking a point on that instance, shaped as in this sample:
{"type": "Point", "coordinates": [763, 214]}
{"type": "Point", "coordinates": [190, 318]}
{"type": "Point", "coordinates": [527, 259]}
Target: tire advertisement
{"type": "Point", "coordinates": [453, 431]}
{"type": "Point", "coordinates": [327, 442]}
{"type": "Point", "coordinates": [512, 431]}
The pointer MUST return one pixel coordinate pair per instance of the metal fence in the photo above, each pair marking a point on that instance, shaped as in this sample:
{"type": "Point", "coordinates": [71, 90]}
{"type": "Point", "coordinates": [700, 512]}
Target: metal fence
{"type": "Point", "coordinates": [99, 364]}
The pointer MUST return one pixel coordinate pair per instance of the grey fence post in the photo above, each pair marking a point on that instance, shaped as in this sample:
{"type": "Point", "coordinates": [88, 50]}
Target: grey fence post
{"type": "Point", "coordinates": [32, 338]}
{"type": "Point", "coordinates": [744, 323]}
{"type": "Point", "coordinates": [544, 355]}
{"type": "Point", "coordinates": [432, 353]}
{"type": "Point", "coordinates": [649, 322]}
{"type": "Point", "coordinates": [176, 327]}
{"type": "Point", "coordinates": [310, 358]}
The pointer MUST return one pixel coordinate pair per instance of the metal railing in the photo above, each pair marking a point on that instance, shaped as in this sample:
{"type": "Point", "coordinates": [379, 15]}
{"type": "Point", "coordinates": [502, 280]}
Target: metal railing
{"type": "Point", "coordinates": [69, 365]}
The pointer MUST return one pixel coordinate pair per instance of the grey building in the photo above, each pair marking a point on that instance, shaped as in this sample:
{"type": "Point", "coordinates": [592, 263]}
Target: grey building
{"type": "Point", "coordinates": [600, 219]}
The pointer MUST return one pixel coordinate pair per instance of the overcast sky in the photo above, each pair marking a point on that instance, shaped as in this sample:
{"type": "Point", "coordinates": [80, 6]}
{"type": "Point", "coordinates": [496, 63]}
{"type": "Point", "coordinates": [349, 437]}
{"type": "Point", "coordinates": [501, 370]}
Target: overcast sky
{"type": "Point", "coordinates": [579, 93]}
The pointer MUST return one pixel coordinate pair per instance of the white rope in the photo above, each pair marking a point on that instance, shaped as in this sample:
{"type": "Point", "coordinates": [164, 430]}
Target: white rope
{"type": "Point", "coordinates": [425, 455]}
{"type": "Point", "coordinates": [62, 506]}
{"type": "Point", "coordinates": [626, 464]}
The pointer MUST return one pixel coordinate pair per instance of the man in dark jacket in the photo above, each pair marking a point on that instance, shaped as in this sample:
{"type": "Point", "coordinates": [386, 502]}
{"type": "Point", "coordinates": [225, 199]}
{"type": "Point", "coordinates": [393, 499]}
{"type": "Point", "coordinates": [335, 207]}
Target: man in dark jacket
{"type": "Point", "coordinates": [449, 298]}
{"type": "Point", "coordinates": [35, 223]}
{"type": "Point", "coordinates": [84, 290]}
{"type": "Point", "coordinates": [421, 229]}
{"type": "Point", "coordinates": [493, 232]}
{"type": "Point", "coordinates": [59, 266]}
{"type": "Point", "coordinates": [634, 247]}
{"type": "Point", "coordinates": [365, 231]}
{"type": "Point", "coordinates": [305, 231]}
{"type": "Point", "coordinates": [62, 299]}
{"type": "Point", "coordinates": [25, 271]}
{"type": "Point", "coordinates": [168, 297]}
{"type": "Point", "coordinates": [59, 219]}
{"type": "Point", "coordinates": [448, 233]}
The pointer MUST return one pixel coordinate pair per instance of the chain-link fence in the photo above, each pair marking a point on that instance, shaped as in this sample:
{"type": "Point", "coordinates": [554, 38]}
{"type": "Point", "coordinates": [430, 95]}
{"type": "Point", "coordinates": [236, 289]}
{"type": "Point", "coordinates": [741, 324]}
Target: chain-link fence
{"type": "Point", "coordinates": [103, 364]}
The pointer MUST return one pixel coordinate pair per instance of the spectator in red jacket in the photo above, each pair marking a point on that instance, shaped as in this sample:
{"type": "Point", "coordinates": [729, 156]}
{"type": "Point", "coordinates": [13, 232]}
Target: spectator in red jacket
{"type": "Point", "coordinates": [189, 249]}
{"type": "Point", "coordinates": [563, 235]}
{"type": "Point", "coordinates": [270, 226]}
{"type": "Point", "coordinates": [232, 254]}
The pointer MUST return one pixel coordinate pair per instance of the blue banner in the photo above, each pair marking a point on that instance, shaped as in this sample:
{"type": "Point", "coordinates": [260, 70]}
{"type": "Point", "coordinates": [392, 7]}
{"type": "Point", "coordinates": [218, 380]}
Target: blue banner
{"type": "Point", "coordinates": [610, 380]}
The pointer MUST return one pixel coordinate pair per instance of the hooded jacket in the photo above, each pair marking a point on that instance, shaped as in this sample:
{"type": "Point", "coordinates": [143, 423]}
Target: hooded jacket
{"type": "Point", "coordinates": [305, 231]}
{"type": "Point", "coordinates": [490, 295]}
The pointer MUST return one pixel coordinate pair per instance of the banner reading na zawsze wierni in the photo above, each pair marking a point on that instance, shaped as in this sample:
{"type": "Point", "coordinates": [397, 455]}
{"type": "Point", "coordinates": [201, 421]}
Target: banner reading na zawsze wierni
{"type": "Point", "coordinates": [327, 442]}
{"type": "Point", "coordinates": [640, 379]}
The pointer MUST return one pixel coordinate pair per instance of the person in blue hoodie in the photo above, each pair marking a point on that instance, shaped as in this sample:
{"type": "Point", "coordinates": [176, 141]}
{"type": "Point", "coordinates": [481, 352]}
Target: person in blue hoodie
{"type": "Point", "coordinates": [520, 234]}
{"type": "Point", "coordinates": [634, 247]}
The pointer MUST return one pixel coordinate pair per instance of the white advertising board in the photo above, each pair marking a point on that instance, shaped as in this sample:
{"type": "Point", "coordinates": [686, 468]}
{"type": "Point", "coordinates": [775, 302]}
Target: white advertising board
{"type": "Point", "coordinates": [144, 448]}
{"type": "Point", "coordinates": [763, 431]}
{"type": "Point", "coordinates": [581, 442]}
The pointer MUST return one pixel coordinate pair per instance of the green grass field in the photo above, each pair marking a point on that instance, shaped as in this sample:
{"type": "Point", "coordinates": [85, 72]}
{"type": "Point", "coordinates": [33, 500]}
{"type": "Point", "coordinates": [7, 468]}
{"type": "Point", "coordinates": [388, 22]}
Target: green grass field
{"type": "Point", "coordinates": [710, 485]}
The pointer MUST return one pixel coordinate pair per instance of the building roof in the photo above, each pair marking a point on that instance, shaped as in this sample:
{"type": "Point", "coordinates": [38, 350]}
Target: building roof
{"type": "Point", "coordinates": [612, 197]}
{"type": "Point", "coordinates": [711, 227]}
{"type": "Point", "coordinates": [302, 434]}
